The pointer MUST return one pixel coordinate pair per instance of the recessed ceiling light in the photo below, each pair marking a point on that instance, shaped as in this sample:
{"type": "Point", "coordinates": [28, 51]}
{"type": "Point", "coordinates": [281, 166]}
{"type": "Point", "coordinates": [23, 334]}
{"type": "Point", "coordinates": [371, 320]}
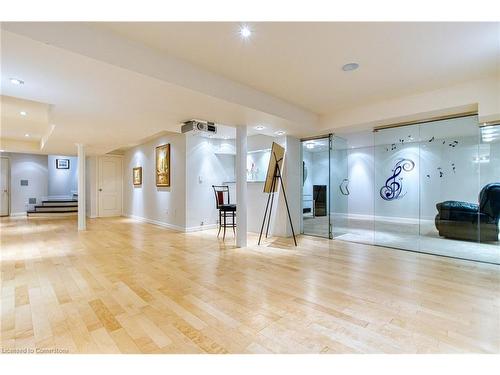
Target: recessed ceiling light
{"type": "Point", "coordinates": [260, 127]}
{"type": "Point", "coordinates": [350, 66]}
{"type": "Point", "coordinates": [26, 135]}
{"type": "Point", "coordinates": [245, 32]}
{"type": "Point", "coordinates": [23, 113]}
{"type": "Point", "coordinates": [16, 81]}
{"type": "Point", "coordinates": [279, 132]}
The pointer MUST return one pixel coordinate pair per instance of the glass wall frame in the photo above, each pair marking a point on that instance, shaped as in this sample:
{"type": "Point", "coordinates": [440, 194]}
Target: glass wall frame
{"type": "Point", "coordinates": [430, 187]}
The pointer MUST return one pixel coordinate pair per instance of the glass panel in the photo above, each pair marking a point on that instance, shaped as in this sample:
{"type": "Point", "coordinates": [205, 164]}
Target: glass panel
{"type": "Point", "coordinates": [449, 179]}
{"type": "Point", "coordinates": [360, 174]}
{"type": "Point", "coordinates": [397, 188]}
{"type": "Point", "coordinates": [489, 166]}
{"type": "Point", "coordinates": [339, 192]}
{"type": "Point", "coordinates": [432, 187]}
{"type": "Point", "coordinates": [315, 191]}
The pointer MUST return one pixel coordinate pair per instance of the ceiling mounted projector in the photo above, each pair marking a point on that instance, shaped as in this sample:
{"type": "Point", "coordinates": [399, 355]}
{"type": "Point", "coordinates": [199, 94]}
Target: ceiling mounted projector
{"type": "Point", "coordinates": [199, 126]}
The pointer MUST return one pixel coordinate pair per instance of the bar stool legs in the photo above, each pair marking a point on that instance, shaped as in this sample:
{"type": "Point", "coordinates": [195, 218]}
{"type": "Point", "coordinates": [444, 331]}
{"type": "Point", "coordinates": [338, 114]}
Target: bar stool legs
{"type": "Point", "coordinates": [223, 223]}
{"type": "Point", "coordinates": [224, 235]}
{"type": "Point", "coordinates": [220, 224]}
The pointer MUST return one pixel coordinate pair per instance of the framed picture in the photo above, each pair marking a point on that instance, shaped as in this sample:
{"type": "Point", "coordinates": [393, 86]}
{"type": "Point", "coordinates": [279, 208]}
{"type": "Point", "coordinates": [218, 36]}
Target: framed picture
{"type": "Point", "coordinates": [62, 163]}
{"type": "Point", "coordinates": [137, 176]}
{"type": "Point", "coordinates": [163, 165]}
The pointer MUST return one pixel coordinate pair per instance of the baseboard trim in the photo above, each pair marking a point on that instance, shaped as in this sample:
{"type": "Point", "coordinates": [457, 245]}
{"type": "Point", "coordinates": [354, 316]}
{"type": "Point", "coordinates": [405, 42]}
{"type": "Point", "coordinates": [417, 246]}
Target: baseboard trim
{"type": "Point", "coordinates": [177, 228]}
{"type": "Point", "coordinates": [201, 227]}
{"type": "Point", "coordinates": [389, 219]}
{"type": "Point", "coordinates": [156, 222]}
{"type": "Point", "coordinates": [18, 214]}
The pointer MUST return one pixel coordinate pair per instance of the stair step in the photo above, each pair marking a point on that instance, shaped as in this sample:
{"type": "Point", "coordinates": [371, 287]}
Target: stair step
{"type": "Point", "coordinates": [69, 203]}
{"type": "Point", "coordinates": [51, 214]}
{"type": "Point", "coordinates": [56, 208]}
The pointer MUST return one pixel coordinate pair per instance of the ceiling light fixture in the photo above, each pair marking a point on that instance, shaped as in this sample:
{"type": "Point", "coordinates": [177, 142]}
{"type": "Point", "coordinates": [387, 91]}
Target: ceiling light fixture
{"type": "Point", "coordinates": [245, 32]}
{"type": "Point", "coordinates": [279, 132]}
{"type": "Point", "coordinates": [26, 135]}
{"type": "Point", "coordinates": [260, 127]}
{"type": "Point", "coordinates": [23, 113]}
{"type": "Point", "coordinates": [350, 66]}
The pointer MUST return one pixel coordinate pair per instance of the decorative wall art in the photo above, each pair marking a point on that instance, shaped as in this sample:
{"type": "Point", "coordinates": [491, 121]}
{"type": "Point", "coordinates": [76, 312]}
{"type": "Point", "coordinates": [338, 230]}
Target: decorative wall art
{"type": "Point", "coordinates": [62, 163]}
{"type": "Point", "coordinates": [163, 165]}
{"type": "Point", "coordinates": [393, 185]}
{"type": "Point", "coordinates": [137, 176]}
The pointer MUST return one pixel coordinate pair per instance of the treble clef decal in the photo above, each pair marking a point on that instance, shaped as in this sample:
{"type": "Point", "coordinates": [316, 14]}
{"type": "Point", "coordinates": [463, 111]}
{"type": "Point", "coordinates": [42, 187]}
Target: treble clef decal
{"type": "Point", "coordinates": [393, 185]}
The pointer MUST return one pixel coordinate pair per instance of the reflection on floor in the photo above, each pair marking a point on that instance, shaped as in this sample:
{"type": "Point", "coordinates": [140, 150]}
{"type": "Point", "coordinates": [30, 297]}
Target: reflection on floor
{"type": "Point", "coordinates": [316, 226]}
{"type": "Point", "coordinates": [129, 287]}
{"type": "Point", "coordinates": [406, 236]}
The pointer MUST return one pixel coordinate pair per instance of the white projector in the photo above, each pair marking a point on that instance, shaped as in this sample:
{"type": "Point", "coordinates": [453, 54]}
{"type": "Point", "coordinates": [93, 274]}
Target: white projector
{"type": "Point", "coordinates": [199, 126]}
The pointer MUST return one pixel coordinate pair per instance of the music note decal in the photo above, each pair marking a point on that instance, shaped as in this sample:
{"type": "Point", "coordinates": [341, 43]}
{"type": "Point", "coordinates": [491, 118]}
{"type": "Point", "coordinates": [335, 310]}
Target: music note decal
{"type": "Point", "coordinates": [393, 185]}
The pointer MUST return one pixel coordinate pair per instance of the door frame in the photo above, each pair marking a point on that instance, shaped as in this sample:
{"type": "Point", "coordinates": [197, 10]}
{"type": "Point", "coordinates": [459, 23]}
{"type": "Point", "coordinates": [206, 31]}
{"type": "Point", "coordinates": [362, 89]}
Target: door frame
{"type": "Point", "coordinates": [9, 185]}
{"type": "Point", "coordinates": [98, 182]}
{"type": "Point", "coordinates": [329, 137]}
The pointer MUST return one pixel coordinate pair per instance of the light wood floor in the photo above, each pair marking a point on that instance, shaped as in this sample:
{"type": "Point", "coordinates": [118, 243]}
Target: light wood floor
{"type": "Point", "coordinates": [128, 287]}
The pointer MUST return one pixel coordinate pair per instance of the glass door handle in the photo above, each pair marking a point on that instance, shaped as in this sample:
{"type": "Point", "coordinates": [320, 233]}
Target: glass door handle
{"type": "Point", "coordinates": [344, 187]}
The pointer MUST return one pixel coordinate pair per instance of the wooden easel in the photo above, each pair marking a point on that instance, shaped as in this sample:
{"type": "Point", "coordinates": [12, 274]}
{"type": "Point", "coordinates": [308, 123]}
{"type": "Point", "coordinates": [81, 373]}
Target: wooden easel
{"type": "Point", "coordinates": [270, 198]}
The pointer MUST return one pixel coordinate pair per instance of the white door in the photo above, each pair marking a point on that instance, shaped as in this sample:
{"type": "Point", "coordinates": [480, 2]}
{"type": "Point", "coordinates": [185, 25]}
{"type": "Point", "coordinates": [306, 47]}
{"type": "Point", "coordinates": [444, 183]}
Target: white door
{"type": "Point", "coordinates": [4, 187]}
{"type": "Point", "coordinates": [109, 186]}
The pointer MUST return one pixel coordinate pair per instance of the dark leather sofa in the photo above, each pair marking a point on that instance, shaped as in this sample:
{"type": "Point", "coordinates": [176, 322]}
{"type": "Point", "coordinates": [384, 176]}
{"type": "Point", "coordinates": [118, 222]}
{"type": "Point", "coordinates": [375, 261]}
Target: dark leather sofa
{"type": "Point", "coordinates": [470, 221]}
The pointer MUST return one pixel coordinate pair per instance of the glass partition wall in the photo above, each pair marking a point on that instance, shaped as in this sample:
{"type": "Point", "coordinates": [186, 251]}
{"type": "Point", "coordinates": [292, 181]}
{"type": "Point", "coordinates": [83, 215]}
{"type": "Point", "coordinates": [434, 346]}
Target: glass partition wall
{"type": "Point", "coordinates": [316, 187]}
{"type": "Point", "coordinates": [432, 187]}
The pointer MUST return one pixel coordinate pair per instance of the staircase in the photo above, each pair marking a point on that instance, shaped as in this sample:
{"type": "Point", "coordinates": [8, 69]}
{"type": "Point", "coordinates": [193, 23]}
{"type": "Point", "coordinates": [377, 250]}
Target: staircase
{"type": "Point", "coordinates": [55, 208]}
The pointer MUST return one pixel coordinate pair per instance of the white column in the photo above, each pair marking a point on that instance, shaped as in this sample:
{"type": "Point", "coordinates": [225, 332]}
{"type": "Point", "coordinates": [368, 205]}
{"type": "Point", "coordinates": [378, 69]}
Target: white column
{"type": "Point", "coordinates": [82, 225]}
{"type": "Point", "coordinates": [241, 186]}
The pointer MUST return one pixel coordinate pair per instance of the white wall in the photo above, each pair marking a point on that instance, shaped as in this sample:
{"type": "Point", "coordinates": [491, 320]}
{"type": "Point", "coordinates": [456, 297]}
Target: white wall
{"type": "Point", "coordinates": [206, 168]}
{"type": "Point", "coordinates": [91, 186]}
{"type": "Point", "coordinates": [482, 95]}
{"type": "Point", "coordinates": [62, 182]}
{"type": "Point", "coordinates": [165, 206]}
{"type": "Point", "coordinates": [27, 167]}
{"type": "Point", "coordinates": [191, 201]}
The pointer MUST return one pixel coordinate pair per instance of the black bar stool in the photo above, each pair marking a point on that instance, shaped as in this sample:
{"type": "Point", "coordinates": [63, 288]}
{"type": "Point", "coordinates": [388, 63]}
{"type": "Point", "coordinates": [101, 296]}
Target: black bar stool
{"type": "Point", "coordinates": [226, 209]}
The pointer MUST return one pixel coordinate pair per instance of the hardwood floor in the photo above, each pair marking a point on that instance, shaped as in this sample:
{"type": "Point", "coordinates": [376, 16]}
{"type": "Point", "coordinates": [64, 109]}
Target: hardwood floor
{"type": "Point", "coordinates": [128, 287]}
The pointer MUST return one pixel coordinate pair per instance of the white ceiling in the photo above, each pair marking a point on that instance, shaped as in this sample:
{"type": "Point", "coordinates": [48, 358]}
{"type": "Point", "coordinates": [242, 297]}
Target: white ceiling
{"type": "Point", "coordinates": [30, 127]}
{"type": "Point", "coordinates": [99, 93]}
{"type": "Point", "coordinates": [104, 106]}
{"type": "Point", "coordinates": [301, 62]}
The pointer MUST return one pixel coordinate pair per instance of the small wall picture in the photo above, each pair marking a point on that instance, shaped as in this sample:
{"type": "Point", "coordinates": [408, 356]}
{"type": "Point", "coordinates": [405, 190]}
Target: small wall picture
{"type": "Point", "coordinates": [137, 176]}
{"type": "Point", "coordinates": [62, 163]}
{"type": "Point", "coordinates": [163, 165]}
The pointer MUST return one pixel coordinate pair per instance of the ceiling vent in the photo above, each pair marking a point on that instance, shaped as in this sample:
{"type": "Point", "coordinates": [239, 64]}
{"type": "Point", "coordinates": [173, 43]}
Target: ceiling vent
{"type": "Point", "coordinates": [199, 126]}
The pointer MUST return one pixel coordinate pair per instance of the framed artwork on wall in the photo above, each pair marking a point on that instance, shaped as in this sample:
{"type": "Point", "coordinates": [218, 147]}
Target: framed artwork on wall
{"type": "Point", "coordinates": [62, 163]}
{"type": "Point", "coordinates": [163, 165]}
{"type": "Point", "coordinates": [137, 176]}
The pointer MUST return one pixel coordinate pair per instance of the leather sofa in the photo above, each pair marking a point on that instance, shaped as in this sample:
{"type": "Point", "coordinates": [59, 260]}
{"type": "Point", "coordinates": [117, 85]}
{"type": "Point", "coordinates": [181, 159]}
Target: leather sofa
{"type": "Point", "coordinates": [470, 221]}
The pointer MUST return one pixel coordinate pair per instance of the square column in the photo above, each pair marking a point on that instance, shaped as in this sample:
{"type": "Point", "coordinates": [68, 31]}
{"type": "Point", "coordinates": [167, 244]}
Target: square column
{"type": "Point", "coordinates": [82, 218]}
{"type": "Point", "coordinates": [241, 186]}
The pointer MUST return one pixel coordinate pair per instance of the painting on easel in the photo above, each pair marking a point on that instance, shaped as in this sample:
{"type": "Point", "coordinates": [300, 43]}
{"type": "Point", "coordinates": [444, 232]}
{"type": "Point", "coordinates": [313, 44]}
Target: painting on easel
{"type": "Point", "coordinates": [277, 155]}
